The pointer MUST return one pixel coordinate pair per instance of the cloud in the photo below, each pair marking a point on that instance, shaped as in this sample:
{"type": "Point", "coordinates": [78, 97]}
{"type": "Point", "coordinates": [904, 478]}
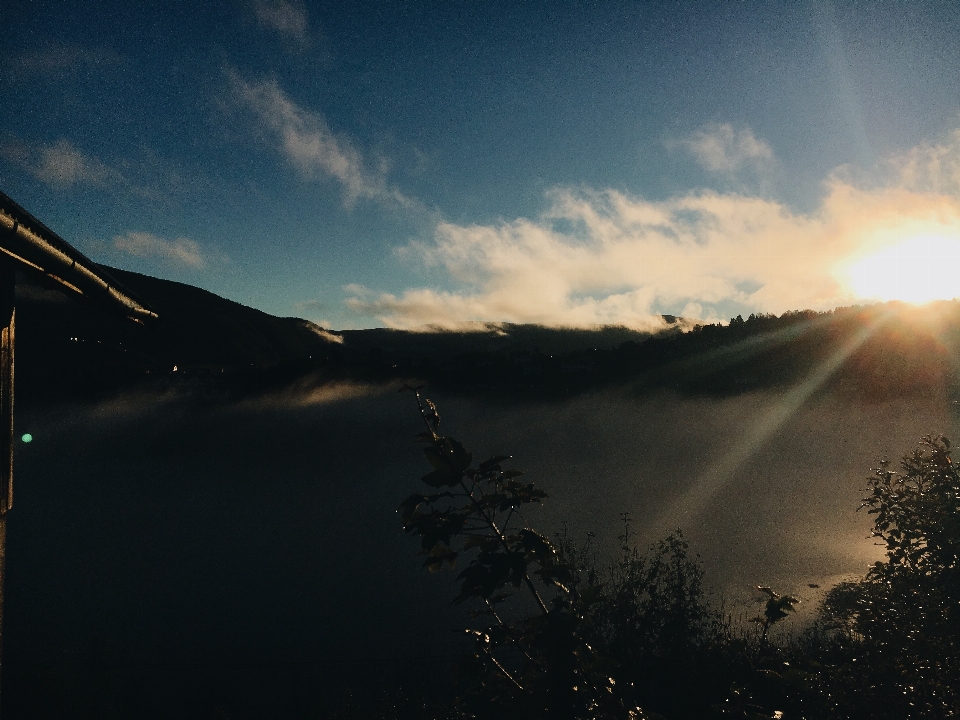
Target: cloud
{"type": "Point", "coordinates": [181, 251]}
{"type": "Point", "coordinates": [723, 149]}
{"type": "Point", "coordinates": [307, 142]}
{"type": "Point", "coordinates": [310, 307]}
{"type": "Point", "coordinates": [323, 332]}
{"type": "Point", "coordinates": [930, 167]}
{"type": "Point", "coordinates": [60, 165]}
{"type": "Point", "coordinates": [604, 257]}
{"type": "Point", "coordinates": [286, 17]}
{"type": "Point", "coordinates": [63, 166]}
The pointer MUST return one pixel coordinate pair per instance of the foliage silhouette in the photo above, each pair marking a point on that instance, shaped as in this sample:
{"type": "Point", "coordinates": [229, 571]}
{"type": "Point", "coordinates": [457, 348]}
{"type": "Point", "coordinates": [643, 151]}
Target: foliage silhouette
{"type": "Point", "coordinates": [778, 608]}
{"type": "Point", "coordinates": [530, 657]}
{"type": "Point", "coordinates": [896, 648]}
{"type": "Point", "coordinates": [559, 634]}
{"type": "Point", "coordinates": [650, 614]}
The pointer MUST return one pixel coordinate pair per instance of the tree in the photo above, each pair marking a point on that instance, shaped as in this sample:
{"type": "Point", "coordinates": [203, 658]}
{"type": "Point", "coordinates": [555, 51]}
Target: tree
{"type": "Point", "coordinates": [898, 650]}
{"type": "Point", "coordinates": [530, 658]}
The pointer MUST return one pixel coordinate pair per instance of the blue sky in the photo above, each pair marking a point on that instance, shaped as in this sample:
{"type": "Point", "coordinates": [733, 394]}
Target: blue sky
{"type": "Point", "coordinates": [398, 164]}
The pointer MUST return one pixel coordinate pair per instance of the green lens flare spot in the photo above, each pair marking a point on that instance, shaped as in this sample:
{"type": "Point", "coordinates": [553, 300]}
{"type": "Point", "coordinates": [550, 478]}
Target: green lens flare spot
{"type": "Point", "coordinates": [27, 437]}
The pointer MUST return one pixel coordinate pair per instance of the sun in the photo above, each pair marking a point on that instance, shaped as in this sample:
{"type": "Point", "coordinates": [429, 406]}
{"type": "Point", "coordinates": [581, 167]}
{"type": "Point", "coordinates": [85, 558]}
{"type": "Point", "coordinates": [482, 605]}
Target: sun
{"type": "Point", "coordinates": [917, 270]}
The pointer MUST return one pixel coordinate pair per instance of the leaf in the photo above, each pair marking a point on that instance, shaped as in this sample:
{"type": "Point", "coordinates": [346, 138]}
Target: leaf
{"type": "Point", "coordinates": [447, 454]}
{"type": "Point", "coordinates": [490, 572]}
{"type": "Point", "coordinates": [442, 478]}
{"type": "Point", "coordinates": [480, 542]}
{"type": "Point", "coordinates": [409, 506]}
{"type": "Point", "coordinates": [538, 546]}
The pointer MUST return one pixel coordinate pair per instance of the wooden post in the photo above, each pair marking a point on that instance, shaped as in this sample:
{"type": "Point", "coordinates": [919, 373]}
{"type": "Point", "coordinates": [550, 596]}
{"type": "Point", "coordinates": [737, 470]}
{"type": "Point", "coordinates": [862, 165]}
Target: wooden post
{"type": "Point", "coordinates": [7, 315]}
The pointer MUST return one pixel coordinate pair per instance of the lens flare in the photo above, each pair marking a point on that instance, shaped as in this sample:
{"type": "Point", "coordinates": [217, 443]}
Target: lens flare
{"type": "Point", "coordinates": [917, 270]}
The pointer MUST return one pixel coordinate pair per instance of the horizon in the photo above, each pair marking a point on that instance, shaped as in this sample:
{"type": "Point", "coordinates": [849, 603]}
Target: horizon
{"type": "Point", "coordinates": [684, 324]}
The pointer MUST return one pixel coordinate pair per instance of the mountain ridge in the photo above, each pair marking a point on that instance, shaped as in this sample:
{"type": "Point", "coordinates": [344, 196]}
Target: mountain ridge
{"type": "Point", "coordinates": [223, 347]}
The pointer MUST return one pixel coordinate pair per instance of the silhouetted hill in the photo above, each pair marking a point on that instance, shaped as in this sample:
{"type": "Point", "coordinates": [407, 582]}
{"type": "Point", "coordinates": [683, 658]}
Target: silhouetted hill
{"type": "Point", "coordinates": [442, 345]}
{"type": "Point", "coordinates": [877, 351]}
{"type": "Point", "coordinates": [67, 345]}
{"type": "Point", "coordinates": [221, 348]}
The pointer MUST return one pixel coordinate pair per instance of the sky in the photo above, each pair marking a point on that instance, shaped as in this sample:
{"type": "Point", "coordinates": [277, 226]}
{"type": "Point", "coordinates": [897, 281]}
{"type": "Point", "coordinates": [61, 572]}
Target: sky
{"type": "Point", "coordinates": [567, 163]}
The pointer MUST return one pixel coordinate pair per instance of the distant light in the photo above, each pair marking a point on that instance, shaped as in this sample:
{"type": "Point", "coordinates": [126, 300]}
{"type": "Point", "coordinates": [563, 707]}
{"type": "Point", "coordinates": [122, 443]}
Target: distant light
{"type": "Point", "coordinates": [916, 270]}
{"type": "Point", "coordinates": [27, 437]}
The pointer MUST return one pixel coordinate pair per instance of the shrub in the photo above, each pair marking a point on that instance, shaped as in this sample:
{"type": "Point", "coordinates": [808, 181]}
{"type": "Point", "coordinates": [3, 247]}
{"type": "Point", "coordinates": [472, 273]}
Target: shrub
{"type": "Point", "coordinates": [896, 649]}
{"type": "Point", "coordinates": [530, 658]}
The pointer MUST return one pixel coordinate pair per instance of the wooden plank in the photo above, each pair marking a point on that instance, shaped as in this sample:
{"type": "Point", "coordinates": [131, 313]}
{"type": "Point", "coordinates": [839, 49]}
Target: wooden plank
{"type": "Point", "coordinates": [7, 318]}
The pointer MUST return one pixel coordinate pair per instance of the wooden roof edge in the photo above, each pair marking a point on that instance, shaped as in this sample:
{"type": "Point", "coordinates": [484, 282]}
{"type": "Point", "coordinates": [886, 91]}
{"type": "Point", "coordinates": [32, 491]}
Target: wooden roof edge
{"type": "Point", "coordinates": [39, 249]}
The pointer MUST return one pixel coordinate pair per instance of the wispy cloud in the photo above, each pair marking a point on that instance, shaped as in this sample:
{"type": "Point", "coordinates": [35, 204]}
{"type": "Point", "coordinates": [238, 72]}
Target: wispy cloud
{"type": "Point", "coordinates": [723, 149]}
{"type": "Point", "coordinates": [324, 333]}
{"type": "Point", "coordinates": [930, 167]}
{"type": "Point", "coordinates": [60, 165]}
{"type": "Point", "coordinates": [310, 307]}
{"type": "Point", "coordinates": [305, 139]}
{"type": "Point", "coordinates": [287, 17]}
{"type": "Point", "coordinates": [180, 251]}
{"type": "Point", "coordinates": [598, 257]}
{"type": "Point", "coordinates": [64, 166]}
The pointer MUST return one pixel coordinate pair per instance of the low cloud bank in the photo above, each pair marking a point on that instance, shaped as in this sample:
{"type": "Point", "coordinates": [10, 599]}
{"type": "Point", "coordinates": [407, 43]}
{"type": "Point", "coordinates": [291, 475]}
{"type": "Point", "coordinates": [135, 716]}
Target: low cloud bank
{"type": "Point", "coordinates": [605, 257]}
{"type": "Point", "coordinates": [266, 488]}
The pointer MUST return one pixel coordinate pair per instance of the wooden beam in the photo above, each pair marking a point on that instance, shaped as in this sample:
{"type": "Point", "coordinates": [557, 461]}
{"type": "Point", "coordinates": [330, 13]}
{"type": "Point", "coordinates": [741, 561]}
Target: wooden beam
{"type": "Point", "coordinates": [7, 319]}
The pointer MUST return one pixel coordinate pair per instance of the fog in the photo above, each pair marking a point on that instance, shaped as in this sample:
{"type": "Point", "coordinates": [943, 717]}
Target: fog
{"type": "Point", "coordinates": [253, 550]}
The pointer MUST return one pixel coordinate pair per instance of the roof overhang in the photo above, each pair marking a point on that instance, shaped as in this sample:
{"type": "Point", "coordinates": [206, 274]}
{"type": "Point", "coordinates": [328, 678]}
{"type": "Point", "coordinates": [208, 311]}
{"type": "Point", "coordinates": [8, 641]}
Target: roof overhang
{"type": "Point", "coordinates": [38, 249]}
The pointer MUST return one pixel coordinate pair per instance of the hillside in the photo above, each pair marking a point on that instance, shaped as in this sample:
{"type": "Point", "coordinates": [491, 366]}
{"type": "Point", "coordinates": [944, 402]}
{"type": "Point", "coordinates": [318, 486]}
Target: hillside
{"type": "Point", "coordinates": [71, 346]}
{"type": "Point", "coordinates": [217, 348]}
{"type": "Point", "coordinates": [873, 352]}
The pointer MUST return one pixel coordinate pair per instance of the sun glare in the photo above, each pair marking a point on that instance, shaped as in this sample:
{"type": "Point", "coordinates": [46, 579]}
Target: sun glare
{"type": "Point", "coordinates": [918, 270]}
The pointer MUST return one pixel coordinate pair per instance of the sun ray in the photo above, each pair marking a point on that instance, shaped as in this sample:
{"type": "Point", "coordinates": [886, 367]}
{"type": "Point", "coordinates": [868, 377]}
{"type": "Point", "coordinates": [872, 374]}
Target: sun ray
{"type": "Point", "coordinates": [728, 355]}
{"type": "Point", "coordinates": [695, 499]}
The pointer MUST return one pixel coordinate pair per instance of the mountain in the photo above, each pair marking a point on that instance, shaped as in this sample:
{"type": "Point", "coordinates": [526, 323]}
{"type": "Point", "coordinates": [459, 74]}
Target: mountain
{"type": "Point", "coordinates": [62, 343]}
{"type": "Point", "coordinates": [494, 338]}
{"type": "Point", "coordinates": [211, 346]}
{"type": "Point", "coordinates": [68, 347]}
